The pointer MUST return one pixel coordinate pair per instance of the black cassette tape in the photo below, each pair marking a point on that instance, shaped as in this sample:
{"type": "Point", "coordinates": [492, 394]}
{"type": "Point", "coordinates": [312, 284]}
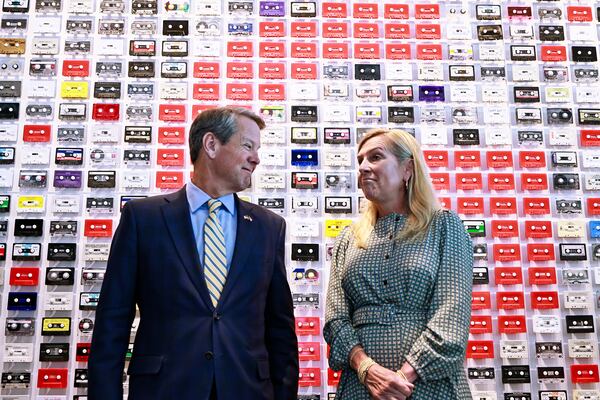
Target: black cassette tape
{"type": "Point", "coordinates": [16, 380]}
{"type": "Point", "coordinates": [552, 33]}
{"type": "Point", "coordinates": [481, 373]}
{"type": "Point", "coordinates": [144, 7]}
{"type": "Point", "coordinates": [336, 71]}
{"type": "Point", "coordinates": [596, 252]}
{"type": "Point", "coordinates": [175, 28]}
{"type": "Point", "coordinates": [48, 5]}
{"type": "Point", "coordinates": [517, 396]}
{"type": "Point", "coordinates": [39, 110]}
{"type": "Point", "coordinates": [555, 73]}
{"type": "Point", "coordinates": [272, 203]}
{"type": "Point", "coordinates": [579, 323]}
{"type": "Point", "coordinates": [569, 206]}
{"type": "Point", "coordinates": [559, 116]}
{"type": "Point", "coordinates": [461, 73]}
{"type": "Point", "coordinates": [174, 48]}
{"type": "Point", "coordinates": [303, 9]}
{"type": "Point", "coordinates": [3, 227]}
{"type": "Point", "coordinates": [305, 252]}
{"type": "Point", "coordinates": [16, 24]}
{"type": "Point", "coordinates": [526, 94]}
{"type": "Point", "coordinates": [102, 179]}
{"type": "Point", "coordinates": [9, 111]}
{"type": "Point", "coordinates": [522, 53]}
{"type": "Point", "coordinates": [19, 326]}
{"type": "Point", "coordinates": [401, 115]}
{"type": "Point", "coordinates": [492, 73]}
{"type": "Point", "coordinates": [40, 67]}
{"type": "Point", "coordinates": [80, 378]}
{"type": "Point", "coordinates": [531, 137]}
{"type": "Point", "coordinates": [338, 180]}
{"type": "Point", "coordinates": [138, 157]}
{"type": "Point", "coordinates": [548, 349]}
{"type": "Point", "coordinates": [109, 68]}
{"type": "Point", "coordinates": [141, 69]}
{"type": "Point", "coordinates": [62, 251]}
{"type": "Point", "coordinates": [29, 227]}
{"type": "Point", "coordinates": [489, 32]}
{"type": "Point", "coordinates": [481, 276]}
{"type": "Point", "coordinates": [551, 375]}
{"type": "Point", "coordinates": [564, 158]}
{"type": "Point", "coordinates": [68, 156]}
{"type": "Point", "coordinates": [10, 89]}
{"type": "Point", "coordinates": [54, 352]}
{"type": "Point", "coordinates": [63, 228]}
{"type": "Point", "coordinates": [584, 54]}
{"type": "Point", "coordinates": [336, 135]}
{"type": "Point", "coordinates": [77, 46]}
{"type": "Point", "coordinates": [466, 137]}
{"type": "Point", "coordinates": [585, 74]}
{"type": "Point", "coordinates": [304, 114]}
{"type": "Point", "coordinates": [99, 204]}
{"type": "Point", "coordinates": [107, 90]}
{"type": "Point", "coordinates": [338, 204]}
{"type": "Point", "coordinates": [240, 7]}
{"type": "Point", "coordinates": [92, 276]}
{"type": "Point", "coordinates": [70, 134]}
{"type": "Point", "coordinates": [138, 134]}
{"type": "Point", "coordinates": [566, 181]}
{"type": "Point", "coordinates": [111, 27]}
{"type": "Point", "coordinates": [60, 276]}
{"type": "Point", "coordinates": [7, 155]}
{"type": "Point", "coordinates": [589, 116]}
{"type": "Point", "coordinates": [26, 251]}
{"type": "Point", "coordinates": [512, 374]}
{"type": "Point", "coordinates": [83, 26]}
{"type": "Point", "coordinates": [367, 72]}
{"type": "Point", "coordinates": [88, 301]}
{"type": "Point", "coordinates": [572, 251]}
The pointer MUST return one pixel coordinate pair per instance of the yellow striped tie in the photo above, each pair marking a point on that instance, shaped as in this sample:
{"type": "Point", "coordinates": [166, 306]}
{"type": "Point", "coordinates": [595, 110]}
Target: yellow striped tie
{"type": "Point", "coordinates": [215, 255]}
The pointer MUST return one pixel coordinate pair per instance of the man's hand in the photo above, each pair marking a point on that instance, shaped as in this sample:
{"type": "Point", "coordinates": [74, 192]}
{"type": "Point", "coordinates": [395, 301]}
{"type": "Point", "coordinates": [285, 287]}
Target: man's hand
{"type": "Point", "coordinates": [385, 384]}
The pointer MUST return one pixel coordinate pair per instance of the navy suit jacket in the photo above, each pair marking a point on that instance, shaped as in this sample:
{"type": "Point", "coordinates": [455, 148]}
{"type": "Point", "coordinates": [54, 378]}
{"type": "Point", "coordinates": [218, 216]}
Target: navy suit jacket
{"type": "Point", "coordinates": [247, 345]}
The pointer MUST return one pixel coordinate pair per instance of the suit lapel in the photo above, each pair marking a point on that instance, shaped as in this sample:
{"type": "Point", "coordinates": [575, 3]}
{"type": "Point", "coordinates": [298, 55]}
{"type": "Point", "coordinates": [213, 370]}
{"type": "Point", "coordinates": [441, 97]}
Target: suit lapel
{"type": "Point", "coordinates": [176, 212]}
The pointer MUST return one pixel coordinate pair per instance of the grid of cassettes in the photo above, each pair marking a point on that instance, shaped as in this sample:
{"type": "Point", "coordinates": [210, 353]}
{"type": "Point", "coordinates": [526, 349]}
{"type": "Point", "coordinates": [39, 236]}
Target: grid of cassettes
{"type": "Point", "coordinates": [96, 97]}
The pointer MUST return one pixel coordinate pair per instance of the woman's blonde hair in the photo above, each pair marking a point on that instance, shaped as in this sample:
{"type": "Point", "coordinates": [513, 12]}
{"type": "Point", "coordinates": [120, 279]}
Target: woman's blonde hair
{"type": "Point", "coordinates": [422, 204]}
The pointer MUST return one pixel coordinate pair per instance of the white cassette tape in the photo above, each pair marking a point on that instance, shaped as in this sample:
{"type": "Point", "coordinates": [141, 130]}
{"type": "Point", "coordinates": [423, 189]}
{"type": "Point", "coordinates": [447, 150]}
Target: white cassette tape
{"type": "Point", "coordinates": [336, 113]}
{"type": "Point", "coordinates": [9, 133]}
{"type": "Point", "coordinates": [46, 24]}
{"type": "Point", "coordinates": [582, 32]}
{"type": "Point", "coordinates": [434, 135]}
{"type": "Point", "coordinates": [524, 73]}
{"type": "Point", "coordinates": [484, 395]}
{"type": "Point", "coordinates": [41, 89]}
{"type": "Point", "coordinates": [270, 180]}
{"type": "Point", "coordinates": [513, 349]}
{"type": "Point", "coordinates": [106, 133]}
{"type": "Point", "coordinates": [202, 48]}
{"type": "Point", "coordinates": [304, 91]}
{"type": "Point", "coordinates": [495, 115]}
{"type": "Point", "coordinates": [272, 157]}
{"type": "Point", "coordinates": [582, 348]}
{"type": "Point", "coordinates": [586, 394]}
{"type": "Point", "coordinates": [18, 353]}
{"type": "Point", "coordinates": [399, 71]}
{"type": "Point", "coordinates": [58, 302]}
{"type": "Point", "coordinates": [497, 136]}
{"type": "Point", "coordinates": [96, 251]}
{"type": "Point", "coordinates": [587, 94]}
{"type": "Point", "coordinates": [561, 94]}
{"type": "Point", "coordinates": [546, 324]}
{"type": "Point", "coordinates": [110, 47]}
{"type": "Point", "coordinates": [35, 155]}
{"type": "Point", "coordinates": [305, 229]}
{"type": "Point", "coordinates": [273, 135]}
{"type": "Point", "coordinates": [491, 52]}
{"type": "Point", "coordinates": [562, 137]}
{"type": "Point", "coordinates": [338, 158]}
{"type": "Point", "coordinates": [576, 300]}
{"type": "Point", "coordinates": [493, 94]}
{"type": "Point", "coordinates": [80, 6]}
{"type": "Point", "coordinates": [135, 179]}
{"type": "Point", "coordinates": [590, 160]}
{"type": "Point", "coordinates": [66, 205]}
{"type": "Point", "coordinates": [464, 94]}
{"type": "Point", "coordinates": [459, 31]}
{"type": "Point", "coordinates": [6, 178]}
{"type": "Point", "coordinates": [430, 72]}
{"type": "Point", "coordinates": [173, 91]}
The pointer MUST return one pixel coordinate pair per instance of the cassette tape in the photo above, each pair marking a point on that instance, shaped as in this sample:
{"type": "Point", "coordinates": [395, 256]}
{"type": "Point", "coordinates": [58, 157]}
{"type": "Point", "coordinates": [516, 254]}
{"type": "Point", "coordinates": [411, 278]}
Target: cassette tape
{"type": "Point", "coordinates": [401, 115]}
{"type": "Point", "coordinates": [135, 179]}
{"type": "Point", "coordinates": [83, 350]}
{"type": "Point", "coordinates": [141, 69]}
{"type": "Point", "coordinates": [560, 94]}
{"type": "Point", "coordinates": [101, 179]}
{"type": "Point", "coordinates": [489, 32]}
{"type": "Point", "coordinates": [60, 276]}
{"type": "Point", "coordinates": [271, 180]}
{"type": "Point", "coordinates": [67, 179]}
{"type": "Point", "coordinates": [464, 115]}
{"type": "Point", "coordinates": [459, 52]}
{"type": "Point", "coordinates": [551, 33]}
{"type": "Point", "coordinates": [88, 301]}
{"type": "Point", "coordinates": [54, 352]}
{"type": "Point", "coordinates": [555, 74]}
{"type": "Point", "coordinates": [175, 28]}
{"type": "Point", "coordinates": [305, 180]}
{"type": "Point", "coordinates": [174, 48]}
{"type": "Point", "coordinates": [143, 27]}
{"type": "Point", "coordinates": [524, 73]}
{"type": "Point", "coordinates": [481, 373]}
{"type": "Point", "coordinates": [7, 155]}
{"type": "Point", "coordinates": [525, 115]}
{"type": "Point", "coordinates": [15, 380]}
{"type": "Point", "coordinates": [579, 323]}
{"type": "Point", "coordinates": [33, 178]}
{"type": "Point", "coordinates": [27, 204]}
{"type": "Point", "coordinates": [21, 301]}
{"type": "Point", "coordinates": [107, 90]}
{"type": "Point", "coordinates": [566, 181]}
{"type": "Point", "coordinates": [564, 159]}
{"type": "Point", "coordinates": [515, 374]}
{"type": "Point", "coordinates": [142, 48]}
{"type": "Point", "coordinates": [58, 302]}
{"type": "Point", "coordinates": [592, 182]}
{"type": "Point", "coordinates": [548, 350]}
{"type": "Point", "coordinates": [109, 68]}
{"type": "Point", "coordinates": [60, 228]}
{"type": "Point", "coordinates": [559, 116]}
{"type": "Point", "coordinates": [514, 349]}
{"type": "Point", "coordinates": [40, 67]}
{"type": "Point", "coordinates": [338, 205]}
{"type": "Point", "coordinates": [98, 228]}
{"type": "Point", "coordinates": [461, 73]}
{"type": "Point", "coordinates": [586, 394]}
{"type": "Point", "coordinates": [576, 301]}
{"type": "Point", "coordinates": [72, 111]}
{"type": "Point", "coordinates": [76, 47]}
{"type": "Point", "coordinates": [28, 227]}
{"type": "Point", "coordinates": [112, 6]}
{"type": "Point", "coordinates": [582, 348]}
{"type": "Point", "coordinates": [585, 74]}
{"type": "Point", "coordinates": [19, 326]}
{"type": "Point", "coordinates": [522, 53]}
{"type": "Point", "coordinates": [79, 26]}
{"type": "Point", "coordinates": [10, 46]}
{"type": "Point", "coordinates": [68, 156]}
{"type": "Point", "coordinates": [139, 113]}
{"type": "Point", "coordinates": [111, 26]}
{"type": "Point", "coordinates": [6, 178]}
{"type": "Point", "coordinates": [96, 251]}
{"type": "Point", "coordinates": [275, 204]}
{"type": "Point", "coordinates": [480, 276]}
{"type": "Point", "coordinates": [487, 12]}
{"type": "Point", "coordinates": [62, 251]}
{"type": "Point", "coordinates": [491, 52]}
{"type": "Point", "coordinates": [548, 375]}
{"type": "Point", "coordinates": [584, 54]}
{"type": "Point", "coordinates": [56, 326]}
{"type": "Point", "coordinates": [172, 91]}
{"type": "Point", "coordinates": [305, 204]}
{"type": "Point", "coordinates": [572, 251]}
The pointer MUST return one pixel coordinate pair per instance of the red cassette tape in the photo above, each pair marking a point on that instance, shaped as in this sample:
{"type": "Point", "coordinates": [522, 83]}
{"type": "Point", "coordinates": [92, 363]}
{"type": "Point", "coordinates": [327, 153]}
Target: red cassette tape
{"type": "Point", "coordinates": [82, 352]}
{"type": "Point", "coordinates": [542, 275]}
{"type": "Point", "coordinates": [367, 51]}
{"type": "Point", "coordinates": [335, 30]}
{"type": "Point", "coordinates": [510, 300]}
{"type": "Point", "coordinates": [428, 31]}
{"type": "Point", "coordinates": [171, 112]}
{"type": "Point", "coordinates": [206, 91]}
{"type": "Point", "coordinates": [24, 276]}
{"type": "Point", "coordinates": [396, 30]}
{"type": "Point", "coordinates": [271, 29]}
{"type": "Point", "coordinates": [532, 159]}
{"type": "Point", "coordinates": [481, 324]}
{"type": "Point", "coordinates": [481, 301]}
{"type": "Point", "coordinates": [207, 70]}
{"type": "Point", "coordinates": [398, 51]}
{"type": "Point", "coordinates": [470, 205]}
{"type": "Point", "coordinates": [309, 377]}
{"type": "Point", "coordinates": [366, 30]}
{"type": "Point", "coordinates": [508, 276]}
{"type": "Point", "coordinates": [538, 229]}
{"type": "Point", "coordinates": [516, 12]}
{"type": "Point", "coordinates": [467, 159]}
{"type": "Point", "coordinates": [507, 252]}
{"type": "Point", "coordinates": [171, 135]}
{"type": "Point", "coordinates": [240, 49]}
{"type": "Point", "coordinates": [503, 229]}
{"type": "Point", "coordinates": [480, 349]}
{"type": "Point", "coordinates": [78, 68]}
{"type": "Point", "coordinates": [52, 378]}
{"type": "Point", "coordinates": [309, 351]}
{"type": "Point", "coordinates": [440, 180]}
{"type": "Point", "coordinates": [590, 138]}
{"type": "Point", "coordinates": [499, 159]}
{"type": "Point", "coordinates": [333, 377]}
{"type": "Point", "coordinates": [271, 49]}
{"type": "Point", "coordinates": [579, 14]}
{"type": "Point", "coordinates": [336, 50]}
{"type": "Point", "coordinates": [544, 300]}
{"type": "Point", "coordinates": [427, 11]}
{"type": "Point", "coordinates": [536, 206]}
{"type": "Point", "coordinates": [37, 133]}
{"type": "Point", "coordinates": [500, 182]}
{"type": "Point", "coordinates": [334, 10]}
{"type": "Point", "coordinates": [365, 10]}
{"type": "Point", "coordinates": [395, 11]}
{"type": "Point", "coordinates": [198, 108]}
{"type": "Point", "coordinates": [170, 157]}
{"type": "Point", "coordinates": [308, 326]}
{"type": "Point", "coordinates": [534, 182]}
{"type": "Point", "coordinates": [98, 228]}
{"type": "Point", "coordinates": [169, 179]}
{"type": "Point", "coordinates": [445, 202]}
{"type": "Point", "coordinates": [593, 206]}
{"type": "Point", "coordinates": [553, 53]}
{"type": "Point", "coordinates": [304, 29]}
{"type": "Point", "coordinates": [239, 91]}
{"type": "Point", "coordinates": [240, 70]}
{"type": "Point", "coordinates": [429, 51]}
{"type": "Point", "coordinates": [106, 111]}
{"type": "Point", "coordinates": [512, 324]}
{"type": "Point", "coordinates": [584, 373]}
{"type": "Point", "coordinates": [304, 70]}
{"type": "Point", "coordinates": [271, 91]}
{"type": "Point", "coordinates": [436, 158]}
{"type": "Point", "coordinates": [469, 181]}
{"type": "Point", "coordinates": [540, 252]}
{"type": "Point", "coordinates": [304, 49]}
{"type": "Point", "coordinates": [275, 70]}
{"type": "Point", "coordinates": [503, 205]}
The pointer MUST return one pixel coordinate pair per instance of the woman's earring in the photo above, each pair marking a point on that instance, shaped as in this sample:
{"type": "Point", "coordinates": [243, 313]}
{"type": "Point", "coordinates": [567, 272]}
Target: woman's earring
{"type": "Point", "coordinates": [406, 183]}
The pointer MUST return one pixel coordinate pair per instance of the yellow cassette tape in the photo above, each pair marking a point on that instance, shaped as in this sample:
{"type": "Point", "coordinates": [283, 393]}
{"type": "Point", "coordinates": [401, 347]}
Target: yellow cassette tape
{"type": "Point", "coordinates": [56, 326]}
{"type": "Point", "coordinates": [30, 203]}
{"type": "Point", "coordinates": [333, 227]}
{"type": "Point", "coordinates": [74, 90]}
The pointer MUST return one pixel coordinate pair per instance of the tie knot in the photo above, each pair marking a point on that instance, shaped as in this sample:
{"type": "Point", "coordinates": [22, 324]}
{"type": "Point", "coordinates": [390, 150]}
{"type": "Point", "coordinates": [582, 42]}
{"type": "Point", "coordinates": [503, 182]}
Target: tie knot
{"type": "Point", "coordinates": [213, 205]}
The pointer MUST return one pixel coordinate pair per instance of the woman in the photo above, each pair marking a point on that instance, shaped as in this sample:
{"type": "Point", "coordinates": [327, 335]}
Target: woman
{"type": "Point", "coordinates": [399, 296]}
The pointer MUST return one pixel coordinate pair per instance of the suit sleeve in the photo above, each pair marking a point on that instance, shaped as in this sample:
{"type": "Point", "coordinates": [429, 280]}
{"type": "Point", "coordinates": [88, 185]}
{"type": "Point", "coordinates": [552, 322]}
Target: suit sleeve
{"type": "Point", "coordinates": [440, 350]}
{"type": "Point", "coordinates": [281, 340]}
{"type": "Point", "coordinates": [115, 313]}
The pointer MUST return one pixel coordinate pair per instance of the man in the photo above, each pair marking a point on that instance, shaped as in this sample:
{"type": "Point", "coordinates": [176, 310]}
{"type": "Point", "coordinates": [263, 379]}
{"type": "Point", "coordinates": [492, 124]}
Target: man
{"type": "Point", "coordinates": [216, 314]}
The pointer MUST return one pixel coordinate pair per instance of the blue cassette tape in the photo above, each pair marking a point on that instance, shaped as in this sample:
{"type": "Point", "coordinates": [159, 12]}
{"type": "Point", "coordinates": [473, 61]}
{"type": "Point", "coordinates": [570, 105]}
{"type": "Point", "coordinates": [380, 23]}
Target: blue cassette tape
{"type": "Point", "coordinates": [22, 301]}
{"type": "Point", "coordinates": [595, 229]}
{"type": "Point", "coordinates": [305, 158]}
{"type": "Point", "coordinates": [431, 93]}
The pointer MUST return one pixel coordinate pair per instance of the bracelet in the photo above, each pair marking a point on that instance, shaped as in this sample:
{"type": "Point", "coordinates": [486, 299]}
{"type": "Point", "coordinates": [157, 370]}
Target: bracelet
{"type": "Point", "coordinates": [402, 375]}
{"type": "Point", "coordinates": [363, 368]}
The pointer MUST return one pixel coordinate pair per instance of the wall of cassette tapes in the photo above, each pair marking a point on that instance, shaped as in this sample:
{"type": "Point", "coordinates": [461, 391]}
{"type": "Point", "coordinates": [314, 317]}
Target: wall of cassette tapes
{"type": "Point", "coordinates": [96, 97]}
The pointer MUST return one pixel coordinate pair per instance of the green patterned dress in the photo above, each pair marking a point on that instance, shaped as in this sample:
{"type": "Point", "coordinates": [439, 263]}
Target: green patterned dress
{"type": "Point", "coordinates": [402, 302]}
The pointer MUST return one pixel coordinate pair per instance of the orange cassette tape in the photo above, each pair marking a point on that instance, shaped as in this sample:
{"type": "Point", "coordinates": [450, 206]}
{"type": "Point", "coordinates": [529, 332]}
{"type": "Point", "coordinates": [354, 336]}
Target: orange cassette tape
{"type": "Point", "coordinates": [170, 157]}
{"type": "Point", "coordinates": [271, 49]}
{"type": "Point", "coordinates": [334, 10]}
{"type": "Point", "coordinates": [365, 10]}
{"type": "Point", "coordinates": [395, 11]}
{"type": "Point", "coordinates": [303, 29]}
{"type": "Point", "coordinates": [395, 30]}
{"type": "Point", "coordinates": [503, 205]}
{"type": "Point", "coordinates": [171, 135]}
{"type": "Point", "coordinates": [334, 30]}
{"type": "Point", "coordinates": [337, 50]}
{"type": "Point", "coordinates": [499, 159]}
{"type": "Point", "coordinates": [508, 276]}
{"type": "Point", "coordinates": [207, 70]}
{"type": "Point", "coordinates": [271, 29]}
{"type": "Point", "coordinates": [271, 70]}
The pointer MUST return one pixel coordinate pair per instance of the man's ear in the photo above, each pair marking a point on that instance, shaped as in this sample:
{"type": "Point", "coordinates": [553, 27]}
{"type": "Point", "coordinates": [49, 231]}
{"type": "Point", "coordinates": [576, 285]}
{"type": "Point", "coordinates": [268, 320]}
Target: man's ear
{"type": "Point", "coordinates": [210, 144]}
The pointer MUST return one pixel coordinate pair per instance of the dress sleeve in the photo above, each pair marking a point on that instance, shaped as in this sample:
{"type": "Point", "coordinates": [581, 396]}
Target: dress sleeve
{"type": "Point", "coordinates": [338, 330]}
{"type": "Point", "coordinates": [440, 350]}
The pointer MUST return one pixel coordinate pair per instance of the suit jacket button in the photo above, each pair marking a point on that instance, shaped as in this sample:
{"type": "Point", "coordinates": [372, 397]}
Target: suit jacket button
{"type": "Point", "coordinates": [216, 316]}
{"type": "Point", "coordinates": [208, 355]}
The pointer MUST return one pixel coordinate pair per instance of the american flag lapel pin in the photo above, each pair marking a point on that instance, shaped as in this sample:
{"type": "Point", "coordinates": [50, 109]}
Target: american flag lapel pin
{"type": "Point", "coordinates": [248, 218]}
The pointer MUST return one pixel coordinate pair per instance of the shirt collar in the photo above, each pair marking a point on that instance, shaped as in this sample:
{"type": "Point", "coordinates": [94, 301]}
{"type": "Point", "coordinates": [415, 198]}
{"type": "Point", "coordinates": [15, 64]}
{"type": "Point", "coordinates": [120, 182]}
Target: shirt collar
{"type": "Point", "coordinates": [197, 198]}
